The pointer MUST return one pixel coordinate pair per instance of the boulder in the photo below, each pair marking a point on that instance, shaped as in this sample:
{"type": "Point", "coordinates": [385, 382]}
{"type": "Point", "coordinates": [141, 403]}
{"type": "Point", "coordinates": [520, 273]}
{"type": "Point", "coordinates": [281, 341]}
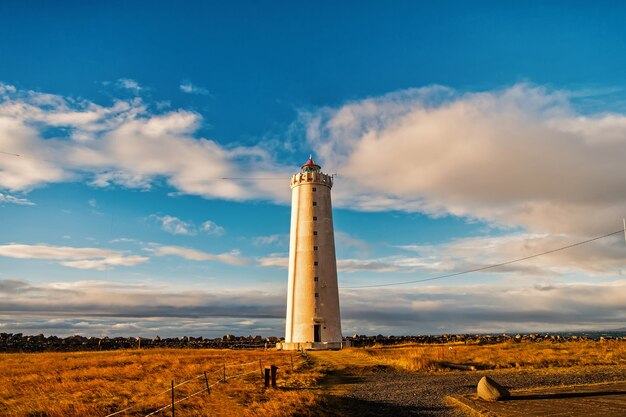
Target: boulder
{"type": "Point", "coordinates": [490, 390]}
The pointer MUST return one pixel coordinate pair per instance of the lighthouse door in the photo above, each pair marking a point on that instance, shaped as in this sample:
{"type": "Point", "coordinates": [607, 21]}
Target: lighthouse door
{"type": "Point", "coordinates": [317, 333]}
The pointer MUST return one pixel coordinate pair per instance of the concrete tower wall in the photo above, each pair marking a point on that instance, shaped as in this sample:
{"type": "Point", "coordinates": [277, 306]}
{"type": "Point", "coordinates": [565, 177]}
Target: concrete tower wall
{"type": "Point", "coordinates": [313, 319]}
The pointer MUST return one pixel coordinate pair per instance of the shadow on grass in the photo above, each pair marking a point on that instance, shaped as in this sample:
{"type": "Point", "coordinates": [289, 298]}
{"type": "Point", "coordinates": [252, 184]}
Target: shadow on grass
{"type": "Point", "coordinates": [341, 406]}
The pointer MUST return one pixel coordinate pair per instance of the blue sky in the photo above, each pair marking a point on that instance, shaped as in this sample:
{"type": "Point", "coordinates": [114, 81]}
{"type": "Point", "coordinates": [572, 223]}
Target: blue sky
{"type": "Point", "coordinates": [461, 136]}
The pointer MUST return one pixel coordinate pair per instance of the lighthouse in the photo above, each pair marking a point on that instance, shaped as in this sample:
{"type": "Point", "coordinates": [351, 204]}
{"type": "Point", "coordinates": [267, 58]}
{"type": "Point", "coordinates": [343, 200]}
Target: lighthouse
{"type": "Point", "coordinates": [313, 320]}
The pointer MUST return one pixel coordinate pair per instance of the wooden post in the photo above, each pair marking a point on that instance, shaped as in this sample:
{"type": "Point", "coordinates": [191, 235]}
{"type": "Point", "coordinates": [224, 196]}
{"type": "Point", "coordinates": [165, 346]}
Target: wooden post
{"type": "Point", "coordinates": [291, 357]}
{"type": "Point", "coordinates": [267, 376]}
{"type": "Point", "coordinates": [206, 379]}
{"type": "Point", "coordinates": [270, 374]}
{"type": "Point", "coordinates": [261, 367]}
{"type": "Point", "coordinates": [273, 370]}
{"type": "Point", "coordinates": [173, 414]}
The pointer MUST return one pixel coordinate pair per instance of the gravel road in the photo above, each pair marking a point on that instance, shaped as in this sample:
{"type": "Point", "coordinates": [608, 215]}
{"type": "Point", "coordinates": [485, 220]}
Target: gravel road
{"type": "Point", "coordinates": [382, 391]}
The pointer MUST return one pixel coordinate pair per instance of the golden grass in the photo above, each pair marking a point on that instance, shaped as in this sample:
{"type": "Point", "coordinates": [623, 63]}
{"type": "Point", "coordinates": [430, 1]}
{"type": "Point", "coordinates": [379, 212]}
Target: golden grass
{"type": "Point", "coordinates": [100, 383]}
{"type": "Point", "coordinates": [501, 355]}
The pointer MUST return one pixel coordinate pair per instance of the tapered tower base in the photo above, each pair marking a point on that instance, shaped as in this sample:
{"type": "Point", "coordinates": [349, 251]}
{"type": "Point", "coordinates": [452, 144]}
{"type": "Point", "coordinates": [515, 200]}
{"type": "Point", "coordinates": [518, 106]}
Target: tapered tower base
{"type": "Point", "coordinates": [313, 346]}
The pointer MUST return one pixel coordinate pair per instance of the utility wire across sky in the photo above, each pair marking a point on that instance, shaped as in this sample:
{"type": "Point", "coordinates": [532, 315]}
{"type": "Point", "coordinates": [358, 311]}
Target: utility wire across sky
{"type": "Point", "coordinates": [483, 268]}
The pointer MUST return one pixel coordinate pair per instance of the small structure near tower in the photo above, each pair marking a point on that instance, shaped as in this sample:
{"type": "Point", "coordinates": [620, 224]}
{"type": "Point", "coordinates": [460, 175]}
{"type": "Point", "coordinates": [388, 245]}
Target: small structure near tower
{"type": "Point", "coordinates": [313, 320]}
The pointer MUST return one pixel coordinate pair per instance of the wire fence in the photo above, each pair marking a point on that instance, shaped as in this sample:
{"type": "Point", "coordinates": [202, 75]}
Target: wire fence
{"type": "Point", "coordinates": [223, 377]}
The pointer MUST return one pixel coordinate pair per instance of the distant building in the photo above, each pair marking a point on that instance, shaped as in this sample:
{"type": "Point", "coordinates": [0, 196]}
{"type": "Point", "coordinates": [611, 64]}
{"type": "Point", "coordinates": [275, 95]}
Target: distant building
{"type": "Point", "coordinates": [313, 320]}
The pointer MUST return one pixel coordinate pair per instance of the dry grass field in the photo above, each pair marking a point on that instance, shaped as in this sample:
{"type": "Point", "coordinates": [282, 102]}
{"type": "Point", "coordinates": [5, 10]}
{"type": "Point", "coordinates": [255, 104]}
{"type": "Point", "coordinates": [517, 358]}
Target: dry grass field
{"type": "Point", "coordinates": [501, 355]}
{"type": "Point", "coordinates": [102, 383]}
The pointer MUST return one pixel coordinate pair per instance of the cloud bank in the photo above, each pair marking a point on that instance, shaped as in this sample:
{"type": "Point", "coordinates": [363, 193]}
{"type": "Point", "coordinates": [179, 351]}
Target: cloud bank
{"type": "Point", "coordinates": [49, 138]}
{"type": "Point", "coordinates": [230, 258]}
{"type": "Point", "coordinates": [103, 259]}
{"type": "Point", "coordinates": [81, 258]}
{"type": "Point", "coordinates": [521, 156]}
{"type": "Point", "coordinates": [148, 309]}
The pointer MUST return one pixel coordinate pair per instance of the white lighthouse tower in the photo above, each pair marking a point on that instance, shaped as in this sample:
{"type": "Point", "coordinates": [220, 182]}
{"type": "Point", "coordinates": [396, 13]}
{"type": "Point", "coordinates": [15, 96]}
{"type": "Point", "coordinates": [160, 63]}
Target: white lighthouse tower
{"type": "Point", "coordinates": [313, 320]}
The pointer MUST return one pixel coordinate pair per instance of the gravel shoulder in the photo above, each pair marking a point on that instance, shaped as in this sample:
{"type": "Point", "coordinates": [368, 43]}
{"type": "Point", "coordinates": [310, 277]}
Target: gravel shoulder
{"type": "Point", "coordinates": [374, 390]}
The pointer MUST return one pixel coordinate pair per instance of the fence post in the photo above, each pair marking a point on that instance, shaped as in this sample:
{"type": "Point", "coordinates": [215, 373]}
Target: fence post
{"type": "Point", "coordinates": [273, 369]}
{"type": "Point", "coordinates": [206, 379]}
{"type": "Point", "coordinates": [270, 372]}
{"type": "Point", "coordinates": [173, 414]}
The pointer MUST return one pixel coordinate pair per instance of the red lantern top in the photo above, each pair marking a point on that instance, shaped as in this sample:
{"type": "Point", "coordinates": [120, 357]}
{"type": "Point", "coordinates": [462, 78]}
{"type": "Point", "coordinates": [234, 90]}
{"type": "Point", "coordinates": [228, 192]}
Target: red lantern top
{"type": "Point", "coordinates": [311, 166]}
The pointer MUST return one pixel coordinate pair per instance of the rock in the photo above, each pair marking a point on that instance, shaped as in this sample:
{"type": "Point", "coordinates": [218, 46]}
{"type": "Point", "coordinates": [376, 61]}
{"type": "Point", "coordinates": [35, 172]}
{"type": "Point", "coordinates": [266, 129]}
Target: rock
{"type": "Point", "coordinates": [490, 390]}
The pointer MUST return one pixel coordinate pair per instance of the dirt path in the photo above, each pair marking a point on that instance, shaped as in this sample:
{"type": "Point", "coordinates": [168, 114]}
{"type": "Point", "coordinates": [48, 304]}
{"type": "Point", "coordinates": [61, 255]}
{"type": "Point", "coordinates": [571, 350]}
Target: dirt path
{"type": "Point", "coordinates": [358, 387]}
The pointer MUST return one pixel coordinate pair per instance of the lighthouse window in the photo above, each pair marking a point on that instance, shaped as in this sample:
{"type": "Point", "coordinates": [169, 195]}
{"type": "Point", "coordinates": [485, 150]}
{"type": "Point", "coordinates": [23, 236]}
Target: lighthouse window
{"type": "Point", "coordinates": [314, 218]}
{"type": "Point", "coordinates": [316, 279]}
{"type": "Point", "coordinates": [314, 190]}
{"type": "Point", "coordinates": [315, 203]}
{"type": "Point", "coordinates": [315, 233]}
{"type": "Point", "coordinates": [317, 295]}
{"type": "Point", "coordinates": [314, 247]}
{"type": "Point", "coordinates": [314, 263]}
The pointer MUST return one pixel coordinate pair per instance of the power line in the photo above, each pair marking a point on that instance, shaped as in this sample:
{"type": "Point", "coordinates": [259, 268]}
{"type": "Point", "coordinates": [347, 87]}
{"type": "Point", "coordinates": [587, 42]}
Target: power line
{"type": "Point", "coordinates": [469, 271]}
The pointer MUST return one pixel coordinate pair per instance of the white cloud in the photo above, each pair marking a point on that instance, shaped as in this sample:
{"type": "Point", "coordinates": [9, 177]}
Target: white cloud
{"type": "Point", "coordinates": [126, 179]}
{"type": "Point", "coordinates": [274, 262]}
{"type": "Point", "coordinates": [123, 144]}
{"type": "Point", "coordinates": [124, 240]}
{"type": "Point", "coordinates": [106, 263]}
{"type": "Point", "coordinates": [22, 172]}
{"type": "Point", "coordinates": [275, 239]}
{"type": "Point", "coordinates": [521, 156]}
{"type": "Point", "coordinates": [189, 88]}
{"type": "Point", "coordinates": [212, 228]}
{"type": "Point", "coordinates": [11, 199]}
{"type": "Point", "coordinates": [5, 88]}
{"type": "Point", "coordinates": [602, 257]}
{"type": "Point", "coordinates": [129, 84]}
{"type": "Point", "coordinates": [92, 203]}
{"type": "Point", "coordinates": [230, 258]}
{"type": "Point", "coordinates": [82, 258]}
{"type": "Point", "coordinates": [175, 226]}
